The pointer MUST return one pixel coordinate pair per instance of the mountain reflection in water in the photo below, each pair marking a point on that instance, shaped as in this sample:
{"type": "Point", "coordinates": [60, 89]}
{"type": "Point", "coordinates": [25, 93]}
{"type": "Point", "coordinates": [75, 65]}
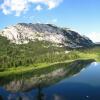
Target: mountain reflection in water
{"type": "Point", "coordinates": [47, 86]}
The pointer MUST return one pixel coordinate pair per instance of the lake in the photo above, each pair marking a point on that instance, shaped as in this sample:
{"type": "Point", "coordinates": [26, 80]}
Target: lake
{"type": "Point", "coordinates": [79, 81]}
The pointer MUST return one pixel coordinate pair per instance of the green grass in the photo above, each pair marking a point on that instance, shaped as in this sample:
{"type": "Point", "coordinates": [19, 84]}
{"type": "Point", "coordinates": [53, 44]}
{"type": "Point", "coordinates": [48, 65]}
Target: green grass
{"type": "Point", "coordinates": [19, 70]}
{"type": "Point", "coordinates": [91, 53]}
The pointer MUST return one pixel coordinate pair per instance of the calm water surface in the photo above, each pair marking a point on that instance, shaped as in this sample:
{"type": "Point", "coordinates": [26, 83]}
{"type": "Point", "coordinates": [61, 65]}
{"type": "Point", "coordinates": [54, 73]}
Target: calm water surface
{"type": "Point", "coordinates": [83, 85]}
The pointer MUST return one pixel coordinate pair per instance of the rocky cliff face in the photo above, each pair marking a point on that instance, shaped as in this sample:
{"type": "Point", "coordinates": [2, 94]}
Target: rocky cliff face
{"type": "Point", "coordinates": [23, 33]}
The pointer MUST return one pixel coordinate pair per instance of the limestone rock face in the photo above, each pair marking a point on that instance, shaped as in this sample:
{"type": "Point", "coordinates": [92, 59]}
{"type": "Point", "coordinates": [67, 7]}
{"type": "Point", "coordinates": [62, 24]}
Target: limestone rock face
{"type": "Point", "coordinates": [24, 32]}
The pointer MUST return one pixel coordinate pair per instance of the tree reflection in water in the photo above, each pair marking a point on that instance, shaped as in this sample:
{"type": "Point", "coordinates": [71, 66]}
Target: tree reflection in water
{"type": "Point", "coordinates": [1, 98]}
{"type": "Point", "coordinates": [40, 95]}
{"type": "Point", "coordinates": [20, 98]}
{"type": "Point", "coordinates": [51, 75]}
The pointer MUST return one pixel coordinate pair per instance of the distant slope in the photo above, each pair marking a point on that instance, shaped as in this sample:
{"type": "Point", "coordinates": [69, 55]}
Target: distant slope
{"type": "Point", "coordinates": [97, 43]}
{"type": "Point", "coordinates": [23, 33]}
{"type": "Point", "coordinates": [39, 52]}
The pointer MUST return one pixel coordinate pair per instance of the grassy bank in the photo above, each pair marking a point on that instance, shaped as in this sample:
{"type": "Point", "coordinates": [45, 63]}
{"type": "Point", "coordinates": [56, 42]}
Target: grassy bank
{"type": "Point", "coordinates": [71, 67]}
{"type": "Point", "coordinates": [46, 60]}
{"type": "Point", "coordinates": [20, 70]}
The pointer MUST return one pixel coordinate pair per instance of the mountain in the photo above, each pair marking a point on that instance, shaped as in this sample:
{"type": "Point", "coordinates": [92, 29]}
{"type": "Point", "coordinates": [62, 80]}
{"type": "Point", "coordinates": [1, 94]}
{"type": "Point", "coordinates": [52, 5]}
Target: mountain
{"type": "Point", "coordinates": [22, 33]}
{"type": "Point", "coordinates": [97, 43]}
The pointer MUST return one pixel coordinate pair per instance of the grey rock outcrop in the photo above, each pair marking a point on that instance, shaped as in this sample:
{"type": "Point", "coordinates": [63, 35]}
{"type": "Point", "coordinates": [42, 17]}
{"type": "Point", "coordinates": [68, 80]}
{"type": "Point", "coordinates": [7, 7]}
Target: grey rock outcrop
{"type": "Point", "coordinates": [24, 32]}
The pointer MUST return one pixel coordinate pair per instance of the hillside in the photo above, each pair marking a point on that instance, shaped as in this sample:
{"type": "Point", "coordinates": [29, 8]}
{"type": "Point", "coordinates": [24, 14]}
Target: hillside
{"type": "Point", "coordinates": [22, 33]}
{"type": "Point", "coordinates": [27, 44]}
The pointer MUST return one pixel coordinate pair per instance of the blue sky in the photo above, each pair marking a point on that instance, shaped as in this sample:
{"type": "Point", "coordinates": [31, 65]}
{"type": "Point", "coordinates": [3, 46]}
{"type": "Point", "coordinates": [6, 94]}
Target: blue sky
{"type": "Point", "coordinates": [79, 15]}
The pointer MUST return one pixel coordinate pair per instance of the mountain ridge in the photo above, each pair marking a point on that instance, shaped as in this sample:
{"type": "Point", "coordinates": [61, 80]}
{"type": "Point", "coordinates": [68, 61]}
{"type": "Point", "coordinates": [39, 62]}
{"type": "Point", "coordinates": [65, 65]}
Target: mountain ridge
{"type": "Point", "coordinates": [24, 32]}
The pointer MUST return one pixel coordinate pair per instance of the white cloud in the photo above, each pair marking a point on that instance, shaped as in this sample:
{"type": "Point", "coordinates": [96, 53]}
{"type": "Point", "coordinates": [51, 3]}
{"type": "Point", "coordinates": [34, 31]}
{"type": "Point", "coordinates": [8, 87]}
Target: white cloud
{"type": "Point", "coordinates": [20, 6]}
{"type": "Point", "coordinates": [17, 6]}
{"type": "Point", "coordinates": [53, 3]}
{"type": "Point", "coordinates": [50, 3]}
{"type": "Point", "coordinates": [6, 12]}
{"type": "Point", "coordinates": [38, 8]}
{"type": "Point", "coordinates": [95, 37]}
